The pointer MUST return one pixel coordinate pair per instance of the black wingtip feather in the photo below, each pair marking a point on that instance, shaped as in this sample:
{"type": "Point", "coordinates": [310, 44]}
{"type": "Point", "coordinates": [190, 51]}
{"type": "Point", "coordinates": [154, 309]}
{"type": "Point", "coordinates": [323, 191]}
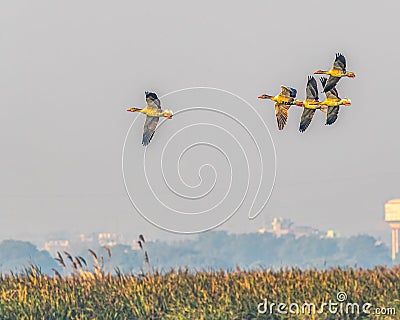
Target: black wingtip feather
{"type": "Point", "coordinates": [150, 95]}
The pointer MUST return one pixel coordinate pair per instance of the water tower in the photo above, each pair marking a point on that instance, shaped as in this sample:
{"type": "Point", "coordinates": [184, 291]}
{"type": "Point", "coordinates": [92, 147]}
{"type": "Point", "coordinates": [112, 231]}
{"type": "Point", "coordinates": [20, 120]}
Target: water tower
{"type": "Point", "coordinates": [392, 216]}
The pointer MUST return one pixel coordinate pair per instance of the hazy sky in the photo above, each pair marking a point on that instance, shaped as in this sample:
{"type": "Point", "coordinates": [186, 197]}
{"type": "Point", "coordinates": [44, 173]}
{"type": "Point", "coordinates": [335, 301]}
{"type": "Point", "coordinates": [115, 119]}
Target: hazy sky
{"type": "Point", "coordinates": [69, 69]}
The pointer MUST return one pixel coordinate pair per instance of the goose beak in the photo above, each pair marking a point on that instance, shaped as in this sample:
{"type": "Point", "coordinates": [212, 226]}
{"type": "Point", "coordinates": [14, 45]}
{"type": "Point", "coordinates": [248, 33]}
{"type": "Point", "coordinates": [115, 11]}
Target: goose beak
{"type": "Point", "coordinates": [347, 102]}
{"type": "Point", "coordinates": [299, 103]}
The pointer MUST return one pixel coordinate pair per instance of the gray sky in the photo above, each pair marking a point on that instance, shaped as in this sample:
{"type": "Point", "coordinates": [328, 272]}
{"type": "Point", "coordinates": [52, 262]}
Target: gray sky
{"type": "Point", "coordinates": [69, 69]}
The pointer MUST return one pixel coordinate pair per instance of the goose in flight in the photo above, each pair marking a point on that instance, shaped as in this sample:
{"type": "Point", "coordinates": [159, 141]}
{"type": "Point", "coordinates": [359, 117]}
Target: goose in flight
{"type": "Point", "coordinates": [333, 102]}
{"type": "Point", "coordinates": [153, 113]}
{"type": "Point", "coordinates": [338, 71]}
{"type": "Point", "coordinates": [310, 104]}
{"type": "Point", "coordinates": [283, 101]}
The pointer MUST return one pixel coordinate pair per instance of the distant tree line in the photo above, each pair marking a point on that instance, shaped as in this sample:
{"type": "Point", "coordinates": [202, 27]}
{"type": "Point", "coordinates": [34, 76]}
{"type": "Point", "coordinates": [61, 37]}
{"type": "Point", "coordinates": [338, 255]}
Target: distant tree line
{"type": "Point", "coordinates": [17, 255]}
{"type": "Point", "coordinates": [216, 250]}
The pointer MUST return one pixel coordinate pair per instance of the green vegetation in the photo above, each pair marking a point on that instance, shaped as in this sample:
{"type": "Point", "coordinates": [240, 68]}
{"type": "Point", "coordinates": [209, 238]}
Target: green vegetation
{"type": "Point", "coordinates": [85, 288]}
{"type": "Point", "coordinates": [184, 295]}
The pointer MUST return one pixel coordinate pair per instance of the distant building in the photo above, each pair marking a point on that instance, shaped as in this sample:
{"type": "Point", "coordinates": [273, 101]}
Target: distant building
{"type": "Point", "coordinates": [282, 226]}
{"type": "Point", "coordinates": [101, 238]}
{"type": "Point", "coordinates": [331, 234]}
{"type": "Point", "coordinates": [262, 230]}
{"type": "Point", "coordinates": [53, 246]}
{"type": "Point", "coordinates": [85, 238]}
{"type": "Point", "coordinates": [108, 239]}
{"type": "Point", "coordinates": [304, 231]}
{"type": "Point", "coordinates": [392, 217]}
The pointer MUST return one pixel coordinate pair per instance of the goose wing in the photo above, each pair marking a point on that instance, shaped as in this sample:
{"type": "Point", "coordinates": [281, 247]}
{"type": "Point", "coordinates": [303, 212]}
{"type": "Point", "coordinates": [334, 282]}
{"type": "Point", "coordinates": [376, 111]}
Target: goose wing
{"type": "Point", "coordinates": [148, 129]}
{"type": "Point", "coordinates": [306, 118]}
{"type": "Point", "coordinates": [332, 93]}
{"type": "Point", "coordinates": [312, 89]}
{"type": "Point", "coordinates": [331, 83]}
{"type": "Point", "coordinates": [340, 62]}
{"type": "Point", "coordinates": [281, 111]}
{"type": "Point", "coordinates": [288, 92]}
{"type": "Point", "coordinates": [332, 115]}
{"type": "Point", "coordinates": [152, 100]}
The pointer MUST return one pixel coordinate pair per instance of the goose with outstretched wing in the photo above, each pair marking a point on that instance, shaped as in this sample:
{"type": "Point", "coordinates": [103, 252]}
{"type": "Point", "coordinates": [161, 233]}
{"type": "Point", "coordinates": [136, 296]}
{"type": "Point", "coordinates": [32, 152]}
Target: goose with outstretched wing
{"type": "Point", "coordinates": [283, 101]}
{"type": "Point", "coordinates": [153, 113]}
{"type": "Point", "coordinates": [338, 71]}
{"type": "Point", "coordinates": [310, 104]}
{"type": "Point", "coordinates": [333, 102]}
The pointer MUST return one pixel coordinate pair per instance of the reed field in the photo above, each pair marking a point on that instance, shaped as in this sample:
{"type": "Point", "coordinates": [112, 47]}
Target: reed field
{"type": "Point", "coordinates": [180, 294]}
